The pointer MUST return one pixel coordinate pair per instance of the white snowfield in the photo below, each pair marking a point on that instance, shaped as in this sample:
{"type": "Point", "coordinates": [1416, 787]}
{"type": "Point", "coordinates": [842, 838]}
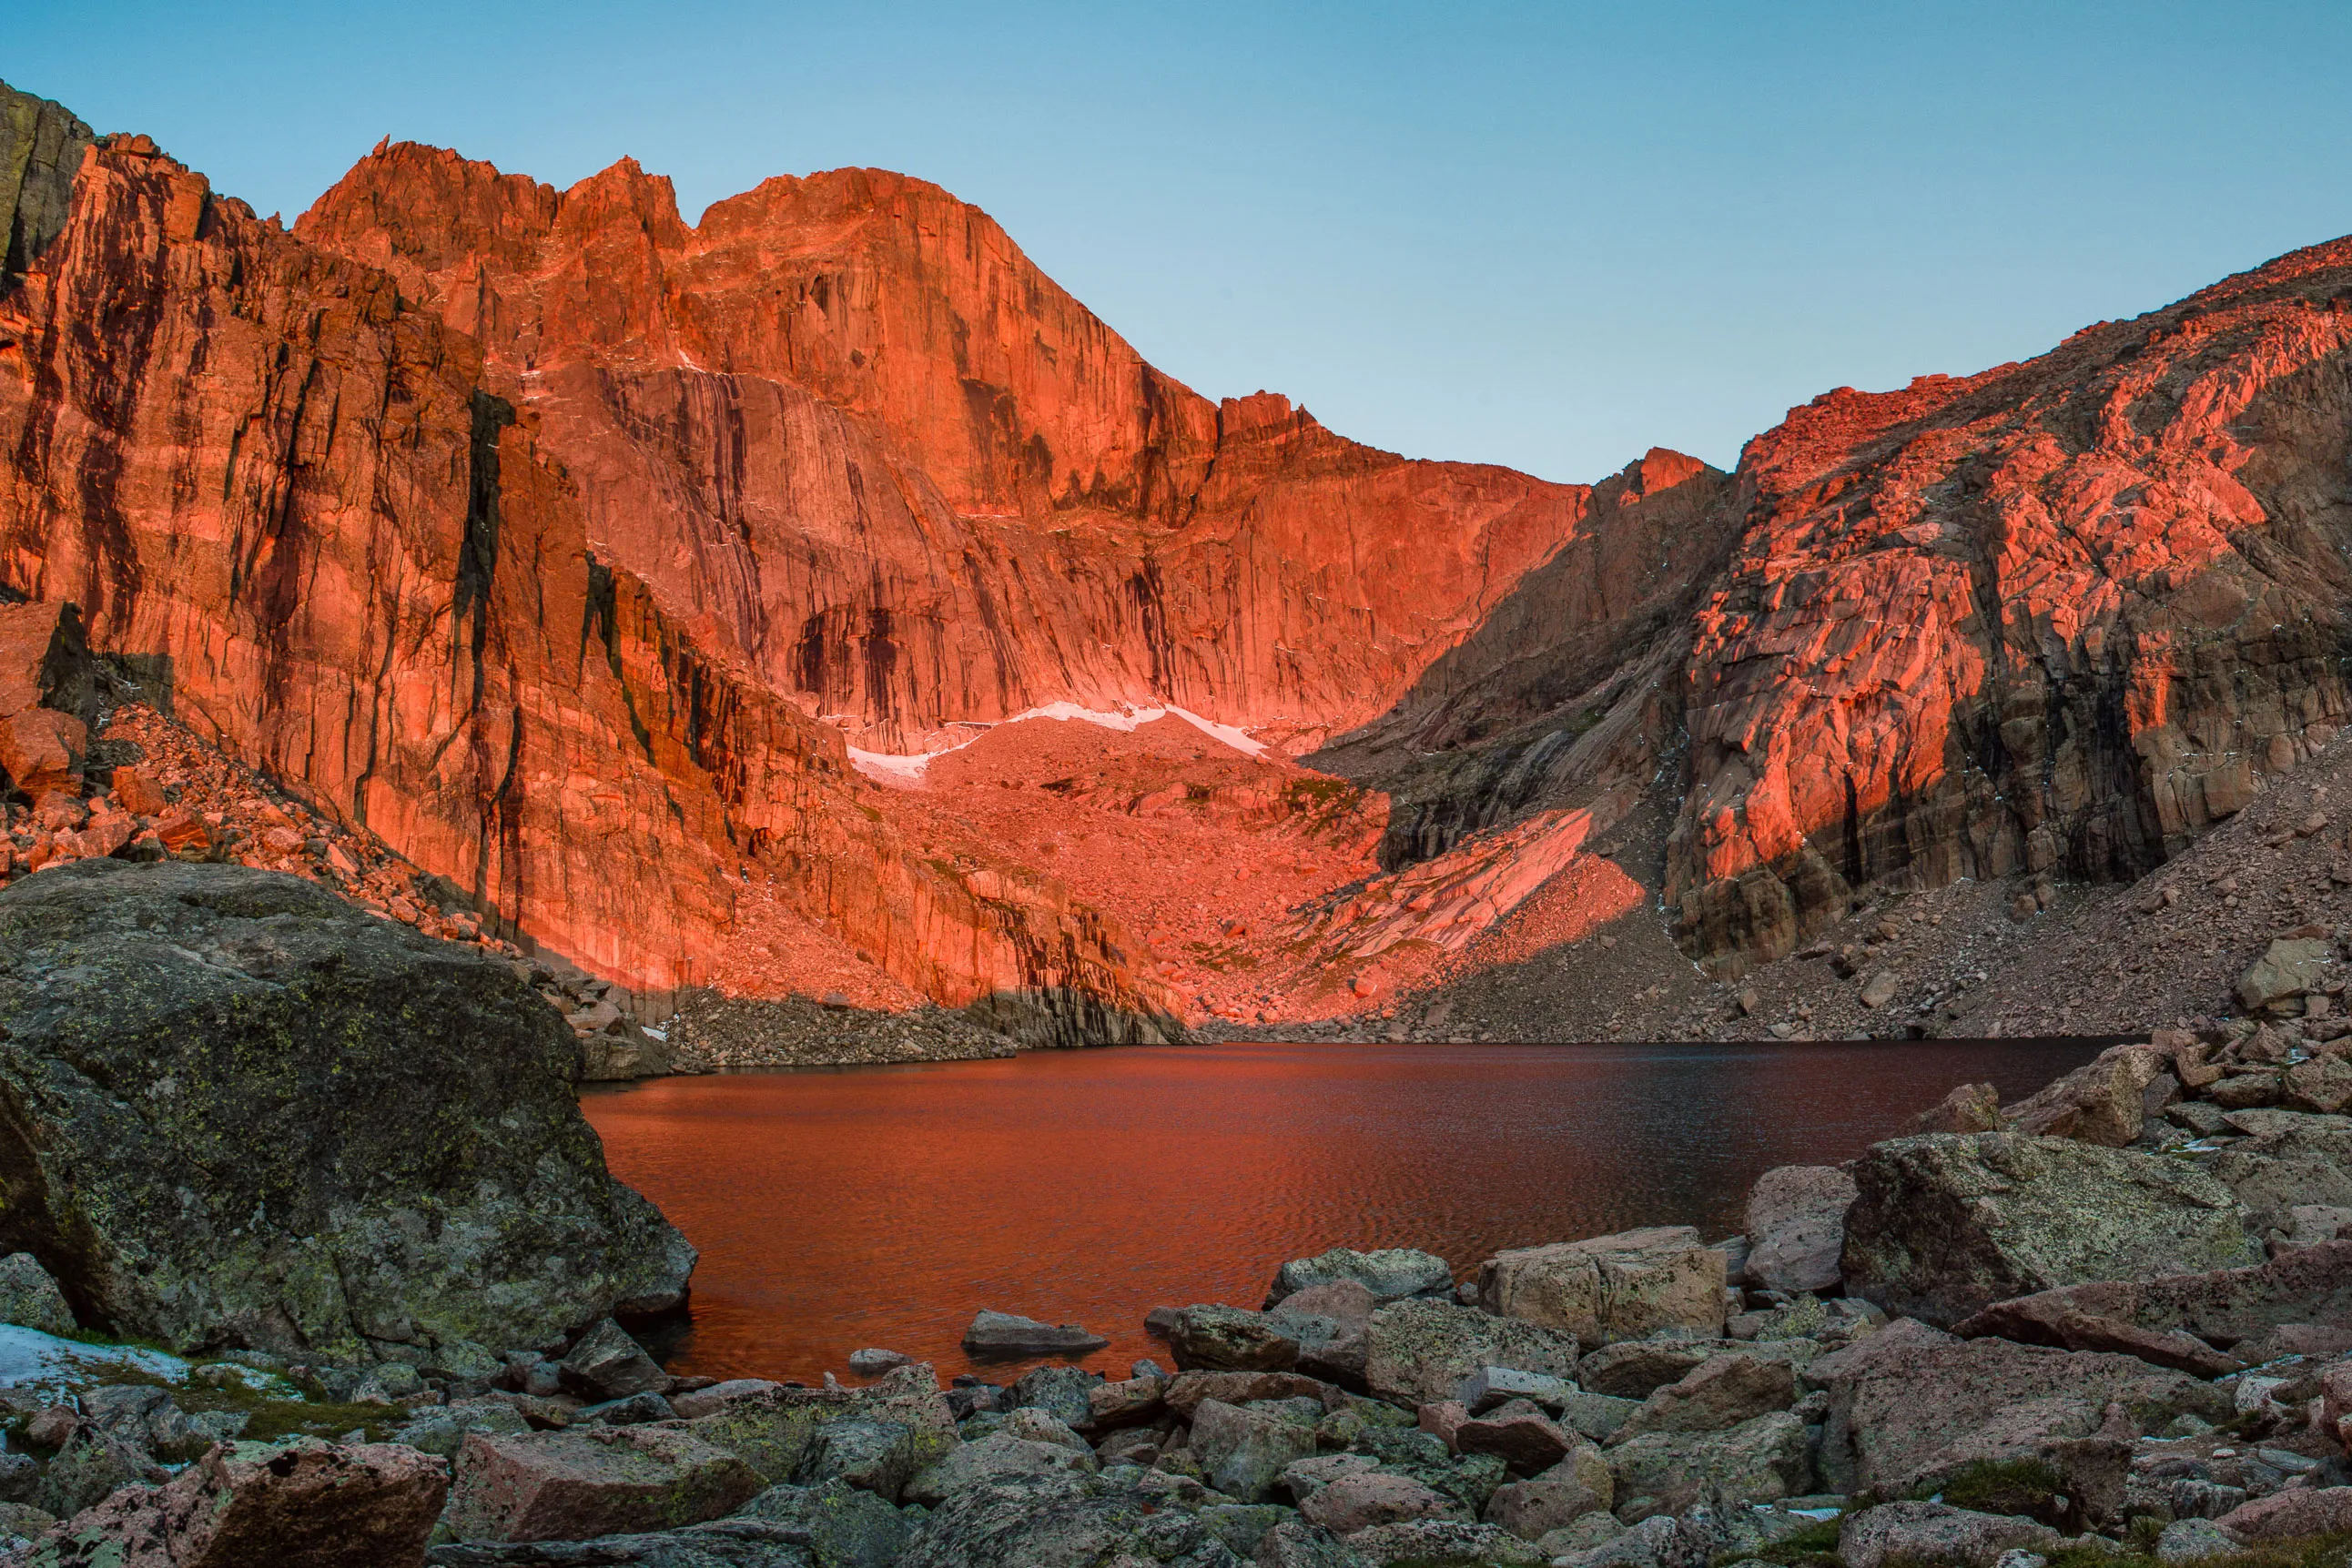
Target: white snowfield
{"type": "Point", "coordinates": [909, 768]}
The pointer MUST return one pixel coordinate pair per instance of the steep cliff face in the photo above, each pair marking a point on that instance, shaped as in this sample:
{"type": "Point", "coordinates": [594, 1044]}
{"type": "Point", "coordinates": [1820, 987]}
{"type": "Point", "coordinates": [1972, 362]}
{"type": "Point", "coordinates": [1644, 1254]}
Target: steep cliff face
{"type": "Point", "coordinates": [41, 144]}
{"type": "Point", "coordinates": [2063, 615]}
{"type": "Point", "coordinates": [847, 425]}
{"type": "Point", "coordinates": [255, 468]}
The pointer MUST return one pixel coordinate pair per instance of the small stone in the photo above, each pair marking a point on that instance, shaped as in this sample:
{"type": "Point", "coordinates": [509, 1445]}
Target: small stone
{"type": "Point", "coordinates": [608, 1364]}
{"type": "Point", "coordinates": [1879, 989]}
{"type": "Point", "coordinates": [872, 1363]}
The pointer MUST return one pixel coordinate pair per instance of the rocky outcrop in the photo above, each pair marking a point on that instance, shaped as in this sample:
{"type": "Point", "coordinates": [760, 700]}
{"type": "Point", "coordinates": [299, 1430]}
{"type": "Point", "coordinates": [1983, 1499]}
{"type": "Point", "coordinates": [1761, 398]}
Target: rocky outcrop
{"type": "Point", "coordinates": [2061, 616]}
{"type": "Point", "coordinates": [1945, 1224]}
{"type": "Point", "coordinates": [288, 494]}
{"type": "Point", "coordinates": [41, 144]}
{"type": "Point", "coordinates": [236, 1112]}
{"type": "Point", "coordinates": [845, 420]}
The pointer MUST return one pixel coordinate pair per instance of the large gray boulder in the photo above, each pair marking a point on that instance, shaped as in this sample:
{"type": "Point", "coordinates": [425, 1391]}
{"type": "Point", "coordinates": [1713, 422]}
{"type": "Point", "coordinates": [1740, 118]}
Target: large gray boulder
{"type": "Point", "coordinates": [1911, 1405]}
{"type": "Point", "coordinates": [1418, 1351]}
{"type": "Point", "coordinates": [1935, 1535]}
{"type": "Point", "coordinates": [1945, 1224]}
{"type": "Point", "coordinates": [1609, 1288]}
{"type": "Point", "coordinates": [1796, 1227]}
{"type": "Point", "coordinates": [1755, 1461]}
{"type": "Point", "coordinates": [1390, 1273]}
{"type": "Point", "coordinates": [237, 1110]}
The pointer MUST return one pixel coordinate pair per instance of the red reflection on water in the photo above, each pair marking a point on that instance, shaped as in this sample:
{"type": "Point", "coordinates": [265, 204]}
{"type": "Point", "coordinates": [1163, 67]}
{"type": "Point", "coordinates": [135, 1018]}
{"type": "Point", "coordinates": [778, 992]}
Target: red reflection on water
{"type": "Point", "coordinates": [883, 1206]}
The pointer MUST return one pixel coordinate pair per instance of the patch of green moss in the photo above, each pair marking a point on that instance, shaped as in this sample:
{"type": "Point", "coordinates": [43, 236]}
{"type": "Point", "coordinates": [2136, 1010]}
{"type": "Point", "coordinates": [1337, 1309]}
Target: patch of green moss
{"type": "Point", "coordinates": [1814, 1546]}
{"type": "Point", "coordinates": [2026, 1487]}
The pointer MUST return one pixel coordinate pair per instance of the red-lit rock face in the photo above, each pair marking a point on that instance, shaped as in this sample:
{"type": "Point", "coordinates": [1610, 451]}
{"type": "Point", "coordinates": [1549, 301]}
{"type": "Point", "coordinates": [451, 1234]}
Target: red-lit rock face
{"type": "Point", "coordinates": [847, 426]}
{"type": "Point", "coordinates": [258, 470]}
{"type": "Point", "coordinates": [2060, 614]}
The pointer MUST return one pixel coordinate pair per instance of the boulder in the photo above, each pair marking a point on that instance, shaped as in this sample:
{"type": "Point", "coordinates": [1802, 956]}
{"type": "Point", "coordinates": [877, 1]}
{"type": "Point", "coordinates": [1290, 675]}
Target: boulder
{"type": "Point", "coordinates": [1519, 1434]}
{"type": "Point", "coordinates": [1944, 1223]}
{"type": "Point", "coordinates": [1970, 1108]}
{"type": "Point", "coordinates": [1492, 1385]}
{"type": "Point", "coordinates": [605, 1480]}
{"type": "Point", "coordinates": [1136, 1400]}
{"type": "Point", "coordinates": [775, 1430]}
{"type": "Point", "coordinates": [298, 1504]}
{"type": "Point", "coordinates": [1229, 1339]}
{"type": "Point", "coordinates": [91, 1464]}
{"type": "Point", "coordinates": [1609, 1287]}
{"type": "Point", "coordinates": [2194, 1541]}
{"type": "Point", "coordinates": [2289, 1515]}
{"type": "Point", "coordinates": [244, 1112]}
{"type": "Point", "coordinates": [1934, 1535]}
{"type": "Point", "coordinates": [2102, 1102]}
{"type": "Point", "coordinates": [1443, 1544]}
{"type": "Point", "coordinates": [1418, 1351]}
{"type": "Point", "coordinates": [736, 1541]}
{"type": "Point", "coordinates": [2274, 984]}
{"type": "Point", "coordinates": [1244, 1451]}
{"type": "Point", "coordinates": [1390, 1273]}
{"type": "Point", "coordinates": [2322, 1085]}
{"type": "Point", "coordinates": [1577, 1485]}
{"type": "Point", "coordinates": [30, 1299]}
{"type": "Point", "coordinates": [1359, 1500]}
{"type": "Point", "coordinates": [1912, 1404]}
{"type": "Point", "coordinates": [1005, 1335]}
{"type": "Point", "coordinates": [699, 1402]}
{"type": "Point", "coordinates": [1066, 1392]}
{"type": "Point", "coordinates": [1295, 1543]}
{"type": "Point", "coordinates": [2288, 1161]}
{"type": "Point", "coordinates": [992, 1457]}
{"type": "Point", "coordinates": [875, 1456]}
{"type": "Point", "coordinates": [872, 1362]}
{"type": "Point", "coordinates": [45, 701]}
{"type": "Point", "coordinates": [841, 1525]}
{"type": "Point", "coordinates": [1796, 1227]}
{"type": "Point", "coordinates": [1187, 1389]}
{"type": "Point", "coordinates": [1063, 1522]}
{"type": "Point", "coordinates": [1636, 1369]}
{"type": "Point", "coordinates": [1720, 1392]}
{"type": "Point", "coordinates": [606, 1363]}
{"type": "Point", "coordinates": [1755, 1461]}
{"type": "Point", "coordinates": [1344, 1302]}
{"type": "Point", "coordinates": [2184, 1320]}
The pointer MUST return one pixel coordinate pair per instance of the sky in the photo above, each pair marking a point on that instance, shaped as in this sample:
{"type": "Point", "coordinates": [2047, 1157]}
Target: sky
{"type": "Point", "coordinates": [1546, 236]}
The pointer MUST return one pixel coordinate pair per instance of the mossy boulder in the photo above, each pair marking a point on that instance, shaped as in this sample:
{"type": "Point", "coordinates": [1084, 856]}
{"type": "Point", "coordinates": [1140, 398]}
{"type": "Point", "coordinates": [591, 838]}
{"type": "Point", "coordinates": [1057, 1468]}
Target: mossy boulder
{"type": "Point", "coordinates": [1945, 1224]}
{"type": "Point", "coordinates": [238, 1112]}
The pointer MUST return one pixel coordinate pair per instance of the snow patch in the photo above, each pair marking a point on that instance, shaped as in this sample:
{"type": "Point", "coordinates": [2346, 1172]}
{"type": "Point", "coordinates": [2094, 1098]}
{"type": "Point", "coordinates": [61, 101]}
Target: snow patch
{"type": "Point", "coordinates": [908, 767]}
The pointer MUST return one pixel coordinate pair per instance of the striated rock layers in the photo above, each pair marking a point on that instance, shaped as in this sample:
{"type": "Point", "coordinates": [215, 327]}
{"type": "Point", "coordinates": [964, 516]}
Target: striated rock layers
{"type": "Point", "coordinates": [288, 498]}
{"type": "Point", "coordinates": [847, 425]}
{"type": "Point", "coordinates": [2060, 615]}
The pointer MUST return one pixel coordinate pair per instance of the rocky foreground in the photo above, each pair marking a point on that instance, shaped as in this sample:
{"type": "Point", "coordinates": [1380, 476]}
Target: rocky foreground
{"type": "Point", "coordinates": [2111, 1322]}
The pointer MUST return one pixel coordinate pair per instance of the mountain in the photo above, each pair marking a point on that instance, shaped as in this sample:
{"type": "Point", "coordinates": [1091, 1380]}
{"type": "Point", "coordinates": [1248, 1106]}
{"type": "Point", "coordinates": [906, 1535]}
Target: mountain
{"type": "Point", "coordinates": [818, 597]}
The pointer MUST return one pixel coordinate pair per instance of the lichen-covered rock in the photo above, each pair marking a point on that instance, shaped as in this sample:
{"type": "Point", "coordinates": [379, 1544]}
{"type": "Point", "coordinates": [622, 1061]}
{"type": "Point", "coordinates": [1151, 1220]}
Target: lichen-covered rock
{"type": "Point", "coordinates": [1390, 1273]}
{"type": "Point", "coordinates": [998, 1455]}
{"type": "Point", "coordinates": [843, 1526]}
{"type": "Point", "coordinates": [1052, 1521]}
{"type": "Point", "coordinates": [2276, 982]}
{"type": "Point", "coordinates": [1755, 1461]}
{"type": "Point", "coordinates": [1229, 1339]}
{"type": "Point", "coordinates": [1796, 1227]}
{"type": "Point", "coordinates": [1418, 1351]}
{"type": "Point", "coordinates": [2101, 1102]}
{"type": "Point", "coordinates": [775, 1429]}
{"type": "Point", "coordinates": [30, 1298]}
{"type": "Point", "coordinates": [299, 1504]}
{"type": "Point", "coordinates": [1911, 1403]}
{"type": "Point", "coordinates": [1443, 1544]}
{"type": "Point", "coordinates": [2182, 1320]}
{"type": "Point", "coordinates": [1945, 1224]}
{"type": "Point", "coordinates": [240, 1111]}
{"type": "Point", "coordinates": [1243, 1451]}
{"type": "Point", "coordinates": [1720, 1392]}
{"type": "Point", "coordinates": [1577, 1485]}
{"type": "Point", "coordinates": [606, 1480]}
{"type": "Point", "coordinates": [1609, 1288]}
{"type": "Point", "coordinates": [1935, 1535]}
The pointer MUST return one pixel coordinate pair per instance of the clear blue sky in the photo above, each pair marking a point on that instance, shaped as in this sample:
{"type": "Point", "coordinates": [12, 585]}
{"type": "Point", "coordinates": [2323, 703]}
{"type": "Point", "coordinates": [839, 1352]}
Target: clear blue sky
{"type": "Point", "coordinates": [1546, 236]}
